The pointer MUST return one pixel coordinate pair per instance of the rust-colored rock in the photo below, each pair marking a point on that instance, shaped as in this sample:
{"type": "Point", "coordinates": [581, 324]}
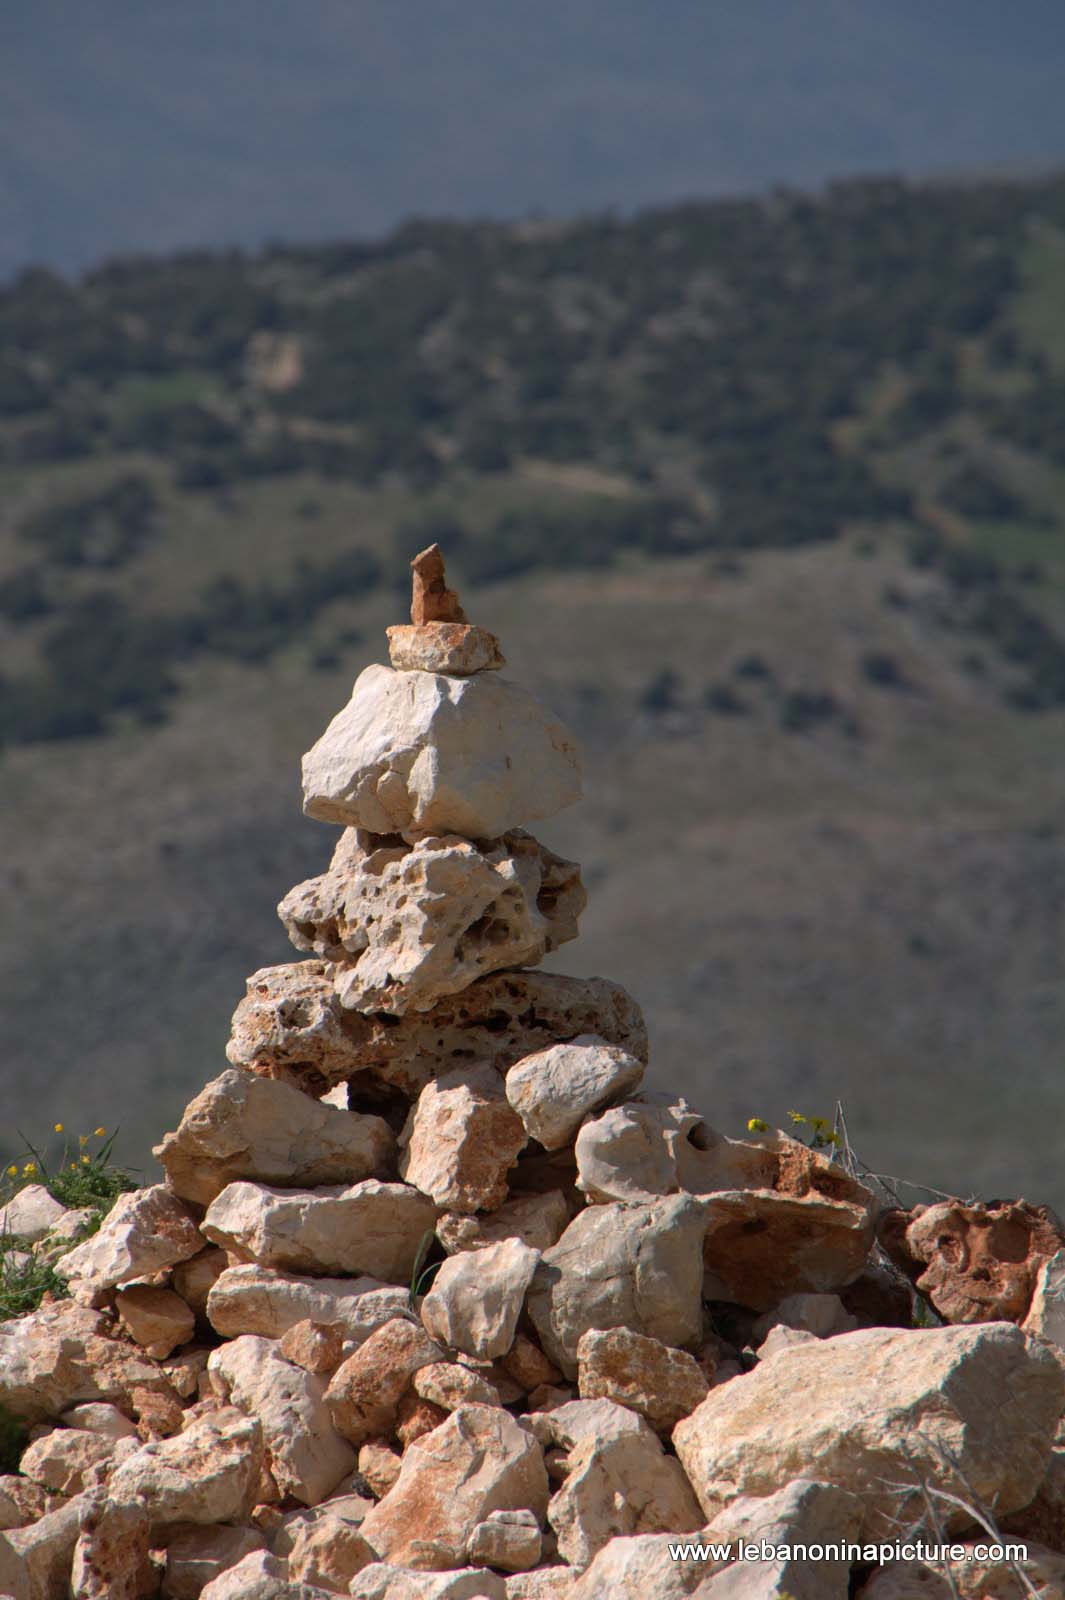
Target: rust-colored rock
{"type": "Point", "coordinates": [416, 1416]}
{"type": "Point", "coordinates": [975, 1263]}
{"type": "Point", "coordinates": [431, 599]}
{"type": "Point", "coordinates": [315, 1346]}
{"type": "Point", "coordinates": [365, 1391]}
{"type": "Point", "coordinates": [455, 648]}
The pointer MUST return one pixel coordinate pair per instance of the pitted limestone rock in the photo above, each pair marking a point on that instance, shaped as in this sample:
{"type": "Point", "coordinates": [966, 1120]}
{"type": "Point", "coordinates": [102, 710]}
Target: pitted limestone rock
{"type": "Point", "coordinates": [409, 923]}
{"type": "Point", "coordinates": [427, 753]}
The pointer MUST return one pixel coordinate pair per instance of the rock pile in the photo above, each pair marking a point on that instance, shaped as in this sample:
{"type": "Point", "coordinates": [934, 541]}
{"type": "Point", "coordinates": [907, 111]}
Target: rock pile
{"type": "Point", "coordinates": [436, 1301]}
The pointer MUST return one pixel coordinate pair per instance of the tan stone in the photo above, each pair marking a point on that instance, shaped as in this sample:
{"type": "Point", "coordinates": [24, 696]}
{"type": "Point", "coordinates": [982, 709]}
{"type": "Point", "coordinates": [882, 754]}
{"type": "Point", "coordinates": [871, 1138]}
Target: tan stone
{"type": "Point", "coordinates": [478, 1461]}
{"type": "Point", "coordinates": [431, 599]}
{"type": "Point", "coordinates": [408, 923]}
{"type": "Point", "coordinates": [537, 1220]}
{"type": "Point", "coordinates": [159, 1412]}
{"type": "Point", "coordinates": [476, 1298]}
{"type": "Point", "coordinates": [660, 1383]}
{"type": "Point", "coordinates": [242, 1125]}
{"type": "Point", "coordinates": [545, 1583]}
{"type": "Point", "coordinates": [457, 648]}
{"type": "Point", "coordinates": [145, 1231]}
{"type": "Point", "coordinates": [819, 1314]}
{"type": "Point", "coordinates": [366, 1389]}
{"type": "Point", "coordinates": [367, 1228]}
{"type": "Point", "coordinates": [761, 1245]}
{"type": "Point", "coordinates": [97, 1417]}
{"type": "Point", "coordinates": [1042, 1520]}
{"type": "Point", "coordinates": [186, 1370]}
{"type": "Point", "coordinates": [554, 1089]}
{"type": "Point", "coordinates": [22, 1501]}
{"type": "Point", "coordinates": [291, 1024]}
{"type": "Point", "coordinates": [195, 1555]}
{"type": "Point", "coordinates": [867, 1406]}
{"type": "Point", "coordinates": [323, 1549]}
{"type": "Point", "coordinates": [261, 1576]}
{"type": "Point", "coordinates": [449, 1385]}
{"type": "Point", "coordinates": [59, 1355]}
{"type": "Point", "coordinates": [415, 1417]}
{"type": "Point", "coordinates": [254, 1299]}
{"type": "Point", "coordinates": [527, 1365]}
{"type": "Point", "coordinates": [619, 1266]}
{"type": "Point", "coordinates": [805, 1512]}
{"type": "Point", "coordinates": [307, 1456]}
{"type": "Point", "coordinates": [30, 1214]}
{"type": "Point", "coordinates": [193, 1280]}
{"type": "Point", "coordinates": [780, 1338]}
{"type": "Point", "coordinates": [1046, 1313]}
{"type": "Point", "coordinates": [382, 1581]}
{"type": "Point", "coordinates": [623, 1484]}
{"type": "Point", "coordinates": [975, 1263]}
{"type": "Point", "coordinates": [66, 1459]}
{"type": "Point", "coordinates": [379, 1464]}
{"type": "Point", "coordinates": [157, 1319]}
{"type": "Point", "coordinates": [35, 1561]}
{"type": "Point", "coordinates": [975, 1577]}
{"type": "Point", "coordinates": [507, 1540]}
{"type": "Point", "coordinates": [461, 1140]}
{"type": "Point", "coordinates": [208, 1474]}
{"type": "Point", "coordinates": [638, 1565]}
{"type": "Point", "coordinates": [424, 752]}
{"type": "Point", "coordinates": [315, 1346]}
{"type": "Point", "coordinates": [625, 1154]}
{"type": "Point", "coordinates": [111, 1557]}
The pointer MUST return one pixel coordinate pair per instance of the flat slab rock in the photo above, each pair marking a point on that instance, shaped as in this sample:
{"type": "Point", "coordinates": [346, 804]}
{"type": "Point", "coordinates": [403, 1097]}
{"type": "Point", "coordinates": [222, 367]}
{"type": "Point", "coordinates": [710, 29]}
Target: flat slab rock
{"type": "Point", "coordinates": [410, 922]}
{"type": "Point", "coordinates": [262, 1300]}
{"type": "Point", "coordinates": [421, 751]}
{"type": "Point", "coordinates": [457, 648]}
{"type": "Point", "coordinates": [291, 1025]}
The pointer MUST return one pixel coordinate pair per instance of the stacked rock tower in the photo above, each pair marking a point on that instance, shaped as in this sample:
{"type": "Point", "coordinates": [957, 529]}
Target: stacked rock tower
{"type": "Point", "coordinates": [437, 1302]}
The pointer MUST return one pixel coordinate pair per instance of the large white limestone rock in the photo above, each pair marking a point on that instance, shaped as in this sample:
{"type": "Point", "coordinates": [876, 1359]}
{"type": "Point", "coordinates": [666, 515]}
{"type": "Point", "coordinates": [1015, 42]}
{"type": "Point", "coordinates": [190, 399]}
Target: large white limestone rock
{"type": "Point", "coordinates": [145, 1231]}
{"type": "Point", "coordinates": [476, 1298]}
{"type": "Point", "coordinates": [877, 1404]}
{"type": "Point", "coordinates": [619, 1266]}
{"type": "Point", "coordinates": [307, 1456]}
{"type": "Point", "coordinates": [254, 1299]}
{"type": "Point", "coordinates": [384, 1581]}
{"type": "Point", "coordinates": [60, 1354]}
{"type": "Point", "coordinates": [479, 1461]}
{"type": "Point", "coordinates": [420, 751]}
{"type": "Point", "coordinates": [30, 1214]}
{"type": "Point", "coordinates": [409, 923]}
{"type": "Point", "coordinates": [209, 1473]}
{"type": "Point", "coordinates": [370, 1228]}
{"type": "Point", "coordinates": [553, 1090]}
{"type": "Point", "coordinates": [461, 1139]}
{"type": "Point", "coordinates": [635, 1565]}
{"type": "Point", "coordinates": [242, 1125]}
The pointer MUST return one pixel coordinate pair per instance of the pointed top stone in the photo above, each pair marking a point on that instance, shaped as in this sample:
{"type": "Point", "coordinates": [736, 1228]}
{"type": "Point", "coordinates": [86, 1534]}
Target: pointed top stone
{"type": "Point", "coordinates": [431, 599]}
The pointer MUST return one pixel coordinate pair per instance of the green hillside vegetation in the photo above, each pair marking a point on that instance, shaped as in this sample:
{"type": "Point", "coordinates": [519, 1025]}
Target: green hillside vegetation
{"type": "Point", "coordinates": [766, 497]}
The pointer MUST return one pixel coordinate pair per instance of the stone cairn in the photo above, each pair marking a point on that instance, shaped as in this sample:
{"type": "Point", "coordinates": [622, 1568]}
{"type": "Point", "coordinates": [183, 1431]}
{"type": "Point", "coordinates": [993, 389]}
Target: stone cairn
{"type": "Point", "coordinates": [436, 1303]}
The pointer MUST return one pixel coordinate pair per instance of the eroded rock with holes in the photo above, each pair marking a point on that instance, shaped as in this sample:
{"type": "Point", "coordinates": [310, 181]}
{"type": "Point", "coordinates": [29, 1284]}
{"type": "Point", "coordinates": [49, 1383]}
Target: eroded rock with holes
{"type": "Point", "coordinates": [619, 1266]}
{"type": "Point", "coordinates": [409, 923]}
{"type": "Point", "coordinates": [253, 1299]}
{"type": "Point", "coordinates": [881, 1403]}
{"type": "Point", "coordinates": [975, 1263]}
{"type": "Point", "coordinates": [242, 1125]}
{"type": "Point", "coordinates": [476, 1298]}
{"type": "Point", "coordinates": [461, 1140]}
{"type": "Point", "coordinates": [428, 753]}
{"type": "Point", "coordinates": [367, 1228]}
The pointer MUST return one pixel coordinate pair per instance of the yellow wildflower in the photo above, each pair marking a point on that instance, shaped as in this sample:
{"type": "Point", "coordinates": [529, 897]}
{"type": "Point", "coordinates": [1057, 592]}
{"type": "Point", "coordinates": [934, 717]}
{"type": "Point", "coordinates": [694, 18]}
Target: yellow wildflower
{"type": "Point", "coordinates": [86, 1161]}
{"type": "Point", "coordinates": [31, 1166]}
{"type": "Point", "coordinates": [83, 1139]}
{"type": "Point", "coordinates": [100, 1132]}
{"type": "Point", "coordinates": [12, 1171]}
{"type": "Point", "coordinates": [757, 1125]}
{"type": "Point", "coordinates": [796, 1116]}
{"type": "Point", "coordinates": [59, 1127]}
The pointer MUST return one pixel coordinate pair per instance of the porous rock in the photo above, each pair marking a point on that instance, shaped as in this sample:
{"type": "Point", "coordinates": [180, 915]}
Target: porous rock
{"type": "Point", "coordinates": [145, 1231]}
{"type": "Point", "coordinates": [242, 1125]}
{"type": "Point", "coordinates": [366, 1389]}
{"type": "Point", "coordinates": [856, 1409]}
{"type": "Point", "coordinates": [461, 1140]}
{"type": "Point", "coordinates": [307, 1456]}
{"type": "Point", "coordinates": [554, 1089]}
{"type": "Point", "coordinates": [209, 1473]}
{"type": "Point", "coordinates": [409, 923]}
{"type": "Point", "coordinates": [619, 1266]}
{"type": "Point", "coordinates": [478, 1461]}
{"type": "Point", "coordinates": [368, 1228]}
{"type": "Point", "coordinates": [476, 1298]}
{"type": "Point", "coordinates": [457, 648]}
{"type": "Point", "coordinates": [253, 1299]}
{"type": "Point", "coordinates": [651, 1378]}
{"type": "Point", "coordinates": [291, 1024]}
{"type": "Point", "coordinates": [537, 1220]}
{"type": "Point", "coordinates": [421, 751]}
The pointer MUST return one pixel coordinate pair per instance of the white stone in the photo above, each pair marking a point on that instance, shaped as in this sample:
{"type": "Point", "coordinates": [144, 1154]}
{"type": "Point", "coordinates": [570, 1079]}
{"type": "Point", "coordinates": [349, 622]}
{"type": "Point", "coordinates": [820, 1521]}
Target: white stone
{"type": "Point", "coordinates": [476, 1298]}
{"type": "Point", "coordinates": [308, 1458]}
{"type": "Point", "coordinates": [553, 1090]}
{"type": "Point", "coordinates": [367, 1228]}
{"type": "Point", "coordinates": [35, 1561]}
{"type": "Point", "coordinates": [420, 751]}
{"type": "Point", "coordinates": [880, 1403]}
{"type": "Point", "coordinates": [60, 1354]}
{"type": "Point", "coordinates": [261, 1576]}
{"type": "Point", "coordinates": [67, 1460]}
{"type": "Point", "coordinates": [624, 1155]}
{"type": "Point", "coordinates": [245, 1126]}
{"type": "Point", "coordinates": [30, 1214]}
{"type": "Point", "coordinates": [461, 1140]}
{"type": "Point", "coordinates": [781, 1338]}
{"type": "Point", "coordinates": [209, 1473]}
{"type": "Point", "coordinates": [619, 1266]}
{"type": "Point", "coordinates": [410, 923]}
{"type": "Point", "coordinates": [322, 1548]}
{"type": "Point", "coordinates": [507, 1540]}
{"type": "Point", "coordinates": [625, 1484]}
{"type": "Point", "coordinates": [383, 1581]}
{"type": "Point", "coordinates": [1046, 1314]}
{"type": "Point", "coordinates": [639, 1565]}
{"type": "Point", "coordinates": [254, 1299]}
{"type": "Point", "coordinates": [97, 1417]}
{"type": "Point", "coordinates": [145, 1231]}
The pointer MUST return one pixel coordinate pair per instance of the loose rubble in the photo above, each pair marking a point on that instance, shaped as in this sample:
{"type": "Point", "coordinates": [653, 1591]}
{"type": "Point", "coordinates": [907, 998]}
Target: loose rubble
{"type": "Point", "coordinates": [436, 1301]}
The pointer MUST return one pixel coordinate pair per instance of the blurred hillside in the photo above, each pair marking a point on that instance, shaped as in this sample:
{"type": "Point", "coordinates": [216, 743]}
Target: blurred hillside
{"type": "Point", "coordinates": [765, 498]}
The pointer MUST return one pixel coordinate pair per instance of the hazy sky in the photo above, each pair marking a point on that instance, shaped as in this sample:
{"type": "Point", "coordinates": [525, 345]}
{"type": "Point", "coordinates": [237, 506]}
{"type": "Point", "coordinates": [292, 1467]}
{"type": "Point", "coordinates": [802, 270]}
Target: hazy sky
{"type": "Point", "coordinates": [130, 125]}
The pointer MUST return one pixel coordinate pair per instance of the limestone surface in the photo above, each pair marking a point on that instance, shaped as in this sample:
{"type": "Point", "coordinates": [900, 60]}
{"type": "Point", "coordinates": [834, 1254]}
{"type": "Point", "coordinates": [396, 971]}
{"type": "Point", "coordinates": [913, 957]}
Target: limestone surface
{"type": "Point", "coordinates": [242, 1125]}
{"type": "Point", "coordinates": [366, 1228]}
{"type": "Point", "coordinates": [507, 1540]}
{"type": "Point", "coordinates": [975, 1576]}
{"type": "Point", "coordinates": [448, 1384]}
{"type": "Point", "coordinates": [291, 1025]}
{"type": "Point", "coordinates": [59, 1355]}
{"type": "Point", "coordinates": [35, 1561]}
{"type": "Point", "coordinates": [636, 1565]}
{"type": "Point", "coordinates": [65, 1460]}
{"type": "Point", "coordinates": [111, 1556]}
{"type": "Point", "coordinates": [145, 1231]}
{"type": "Point", "coordinates": [619, 1266]}
{"type": "Point", "coordinates": [820, 1314]}
{"type": "Point", "coordinates": [537, 1220]}
{"type": "Point", "coordinates": [476, 1298]}
{"type": "Point", "coordinates": [554, 1089]}
{"type": "Point", "coordinates": [410, 923]}
{"type": "Point", "coordinates": [365, 1391]}
{"type": "Point", "coordinates": [856, 1409]}
{"type": "Point", "coordinates": [660, 1383]}
{"type": "Point", "coordinates": [254, 1299]}
{"type": "Point", "coordinates": [156, 1318]}
{"type": "Point", "coordinates": [209, 1473]}
{"type": "Point", "coordinates": [196, 1555]}
{"type": "Point", "coordinates": [461, 1140]}
{"type": "Point", "coordinates": [620, 1485]}
{"type": "Point", "coordinates": [1046, 1313]}
{"type": "Point", "coordinates": [30, 1214]}
{"type": "Point", "coordinates": [457, 648]}
{"type": "Point", "coordinates": [424, 752]}
{"type": "Point", "coordinates": [761, 1245]}
{"type": "Point", "coordinates": [315, 1346]}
